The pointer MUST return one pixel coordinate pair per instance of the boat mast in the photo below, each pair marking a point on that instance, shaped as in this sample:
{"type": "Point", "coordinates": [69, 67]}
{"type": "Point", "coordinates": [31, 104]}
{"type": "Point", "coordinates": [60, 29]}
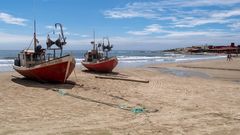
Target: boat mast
{"type": "Point", "coordinates": [34, 36]}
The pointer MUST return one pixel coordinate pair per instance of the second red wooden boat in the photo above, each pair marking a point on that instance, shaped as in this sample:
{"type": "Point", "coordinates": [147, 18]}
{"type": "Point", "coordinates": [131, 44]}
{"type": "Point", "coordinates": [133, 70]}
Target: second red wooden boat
{"type": "Point", "coordinates": [105, 65]}
{"type": "Point", "coordinates": [97, 59]}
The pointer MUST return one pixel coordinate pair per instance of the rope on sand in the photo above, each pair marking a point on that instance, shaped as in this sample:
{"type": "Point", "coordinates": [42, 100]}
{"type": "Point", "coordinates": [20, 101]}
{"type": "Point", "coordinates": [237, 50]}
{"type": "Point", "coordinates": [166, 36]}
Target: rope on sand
{"type": "Point", "coordinates": [135, 110]}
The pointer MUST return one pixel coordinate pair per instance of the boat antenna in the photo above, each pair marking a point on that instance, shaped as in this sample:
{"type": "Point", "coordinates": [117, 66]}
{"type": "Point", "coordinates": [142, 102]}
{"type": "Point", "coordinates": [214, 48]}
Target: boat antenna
{"type": "Point", "coordinates": [34, 35]}
{"type": "Point", "coordinates": [94, 47]}
{"type": "Point", "coordinates": [34, 23]}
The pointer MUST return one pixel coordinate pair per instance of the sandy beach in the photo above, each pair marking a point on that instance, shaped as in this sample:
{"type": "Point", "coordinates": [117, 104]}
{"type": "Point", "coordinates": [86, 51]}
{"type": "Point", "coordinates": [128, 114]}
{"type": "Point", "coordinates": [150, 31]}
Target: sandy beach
{"type": "Point", "coordinates": [202, 100]}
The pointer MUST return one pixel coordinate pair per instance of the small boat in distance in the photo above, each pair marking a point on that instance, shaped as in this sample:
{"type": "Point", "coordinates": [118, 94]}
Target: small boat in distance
{"type": "Point", "coordinates": [33, 63]}
{"type": "Point", "coordinates": [97, 59]}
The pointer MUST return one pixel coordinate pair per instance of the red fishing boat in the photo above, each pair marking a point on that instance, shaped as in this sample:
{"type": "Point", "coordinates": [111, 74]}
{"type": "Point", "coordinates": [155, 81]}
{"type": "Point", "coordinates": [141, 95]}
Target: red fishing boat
{"type": "Point", "coordinates": [33, 63]}
{"type": "Point", "coordinates": [97, 59]}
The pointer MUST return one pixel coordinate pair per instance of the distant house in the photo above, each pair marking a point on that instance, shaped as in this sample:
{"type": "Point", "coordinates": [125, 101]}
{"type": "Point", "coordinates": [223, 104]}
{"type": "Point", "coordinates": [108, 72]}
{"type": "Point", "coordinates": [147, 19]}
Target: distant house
{"type": "Point", "coordinates": [225, 49]}
{"type": "Point", "coordinates": [194, 49]}
{"type": "Point", "coordinates": [232, 48]}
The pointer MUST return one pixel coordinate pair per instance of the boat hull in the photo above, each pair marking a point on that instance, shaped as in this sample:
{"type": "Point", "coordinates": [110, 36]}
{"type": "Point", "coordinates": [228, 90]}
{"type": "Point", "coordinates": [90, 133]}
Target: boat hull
{"type": "Point", "coordinates": [101, 66]}
{"type": "Point", "coordinates": [57, 70]}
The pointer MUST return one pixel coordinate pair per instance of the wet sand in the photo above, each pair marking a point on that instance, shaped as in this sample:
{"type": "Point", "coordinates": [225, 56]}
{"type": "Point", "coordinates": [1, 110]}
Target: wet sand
{"type": "Point", "coordinates": [171, 104]}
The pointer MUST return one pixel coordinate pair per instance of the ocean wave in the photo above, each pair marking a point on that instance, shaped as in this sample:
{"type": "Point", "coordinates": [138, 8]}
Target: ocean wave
{"type": "Point", "coordinates": [78, 61]}
{"type": "Point", "coordinates": [138, 61]}
{"type": "Point", "coordinates": [174, 55]}
{"type": "Point", "coordinates": [199, 58]}
{"type": "Point", "coordinates": [169, 59]}
{"type": "Point", "coordinates": [9, 58]}
{"type": "Point", "coordinates": [139, 57]}
{"type": "Point", "coordinates": [6, 61]}
{"type": "Point", "coordinates": [6, 65]}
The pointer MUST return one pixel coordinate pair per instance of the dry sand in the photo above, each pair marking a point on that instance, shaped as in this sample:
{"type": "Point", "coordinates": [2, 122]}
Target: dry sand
{"type": "Point", "coordinates": [174, 105]}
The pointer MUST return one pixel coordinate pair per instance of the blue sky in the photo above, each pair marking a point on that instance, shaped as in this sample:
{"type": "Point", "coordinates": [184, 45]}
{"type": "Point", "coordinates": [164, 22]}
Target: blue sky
{"type": "Point", "coordinates": [130, 24]}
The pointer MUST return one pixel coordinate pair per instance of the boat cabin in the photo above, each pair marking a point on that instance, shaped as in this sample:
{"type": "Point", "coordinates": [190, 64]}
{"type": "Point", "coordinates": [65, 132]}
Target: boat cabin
{"type": "Point", "coordinates": [93, 56]}
{"type": "Point", "coordinates": [29, 58]}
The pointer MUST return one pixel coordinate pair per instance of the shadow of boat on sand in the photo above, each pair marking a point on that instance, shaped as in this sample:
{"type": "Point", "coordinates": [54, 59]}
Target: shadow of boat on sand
{"type": "Point", "coordinates": [117, 74]}
{"type": "Point", "coordinates": [35, 84]}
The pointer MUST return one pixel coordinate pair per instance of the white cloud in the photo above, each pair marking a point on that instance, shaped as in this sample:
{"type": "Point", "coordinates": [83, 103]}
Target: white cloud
{"type": "Point", "coordinates": [217, 17]}
{"type": "Point", "coordinates": [153, 28]}
{"type": "Point", "coordinates": [85, 36]}
{"type": "Point", "coordinates": [9, 19]}
{"type": "Point", "coordinates": [15, 41]}
{"type": "Point", "coordinates": [70, 33]}
{"type": "Point", "coordinates": [12, 38]}
{"type": "Point", "coordinates": [75, 34]}
{"type": "Point", "coordinates": [137, 9]}
{"type": "Point", "coordinates": [235, 26]}
{"type": "Point", "coordinates": [56, 32]}
{"type": "Point", "coordinates": [189, 34]}
{"type": "Point", "coordinates": [67, 33]}
{"type": "Point", "coordinates": [52, 27]}
{"type": "Point", "coordinates": [177, 13]}
{"type": "Point", "coordinates": [154, 10]}
{"type": "Point", "coordinates": [226, 14]}
{"type": "Point", "coordinates": [128, 14]}
{"type": "Point", "coordinates": [196, 3]}
{"type": "Point", "coordinates": [172, 39]}
{"type": "Point", "coordinates": [150, 29]}
{"type": "Point", "coordinates": [157, 29]}
{"type": "Point", "coordinates": [199, 21]}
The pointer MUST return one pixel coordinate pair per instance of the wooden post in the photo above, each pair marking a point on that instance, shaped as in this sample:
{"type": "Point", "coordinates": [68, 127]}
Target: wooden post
{"type": "Point", "coordinates": [124, 79]}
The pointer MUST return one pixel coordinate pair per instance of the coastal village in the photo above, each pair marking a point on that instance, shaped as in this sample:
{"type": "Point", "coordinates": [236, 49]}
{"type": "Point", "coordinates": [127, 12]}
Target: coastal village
{"type": "Point", "coordinates": [204, 49]}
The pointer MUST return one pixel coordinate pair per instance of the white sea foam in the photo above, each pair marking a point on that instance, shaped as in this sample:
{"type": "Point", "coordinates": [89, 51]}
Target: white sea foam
{"type": "Point", "coordinates": [199, 58]}
{"type": "Point", "coordinates": [6, 65]}
{"type": "Point", "coordinates": [159, 59]}
{"type": "Point", "coordinates": [137, 61]}
{"type": "Point", "coordinates": [78, 61]}
{"type": "Point", "coordinates": [174, 55]}
{"type": "Point", "coordinates": [139, 57]}
{"type": "Point", "coordinates": [6, 61]}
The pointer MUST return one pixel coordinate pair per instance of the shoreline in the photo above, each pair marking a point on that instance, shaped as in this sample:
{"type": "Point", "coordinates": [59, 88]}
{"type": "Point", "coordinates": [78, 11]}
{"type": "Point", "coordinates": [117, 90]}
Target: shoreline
{"type": "Point", "coordinates": [127, 65]}
{"type": "Point", "coordinates": [134, 61]}
{"type": "Point", "coordinates": [213, 68]}
{"type": "Point", "coordinates": [193, 68]}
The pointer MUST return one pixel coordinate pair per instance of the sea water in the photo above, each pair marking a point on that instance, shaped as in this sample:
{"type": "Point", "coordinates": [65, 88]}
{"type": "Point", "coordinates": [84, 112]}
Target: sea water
{"type": "Point", "coordinates": [127, 58]}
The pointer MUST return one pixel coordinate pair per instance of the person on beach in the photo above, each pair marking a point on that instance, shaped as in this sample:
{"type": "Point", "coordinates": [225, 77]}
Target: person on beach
{"type": "Point", "coordinates": [229, 57]}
